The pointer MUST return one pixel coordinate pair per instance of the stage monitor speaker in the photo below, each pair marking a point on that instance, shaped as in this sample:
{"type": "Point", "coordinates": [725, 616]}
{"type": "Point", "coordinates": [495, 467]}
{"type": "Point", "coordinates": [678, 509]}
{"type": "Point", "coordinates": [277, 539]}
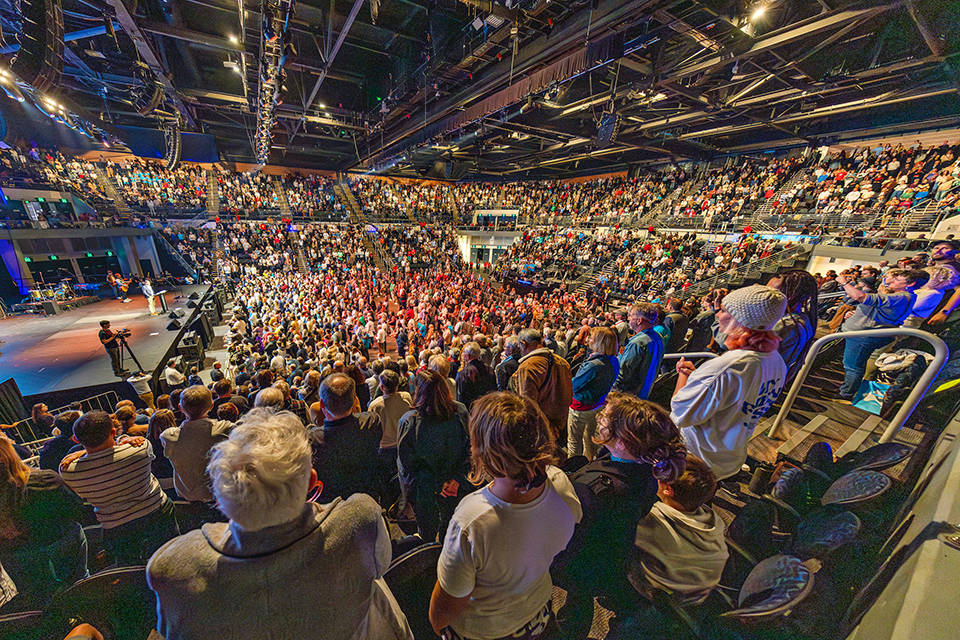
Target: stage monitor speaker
{"type": "Point", "coordinates": [174, 325]}
{"type": "Point", "coordinates": [51, 307]}
{"type": "Point", "coordinates": [191, 305]}
{"type": "Point", "coordinates": [194, 296]}
{"type": "Point", "coordinates": [177, 313]}
{"type": "Point", "coordinates": [39, 61]}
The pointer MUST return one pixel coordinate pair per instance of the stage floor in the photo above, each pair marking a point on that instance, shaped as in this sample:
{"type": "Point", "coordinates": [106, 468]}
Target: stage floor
{"type": "Point", "coordinates": [63, 351]}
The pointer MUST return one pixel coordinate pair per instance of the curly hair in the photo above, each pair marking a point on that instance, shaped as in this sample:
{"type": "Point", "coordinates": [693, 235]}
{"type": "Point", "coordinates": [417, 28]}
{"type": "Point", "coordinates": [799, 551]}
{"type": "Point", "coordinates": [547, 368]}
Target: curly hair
{"type": "Point", "coordinates": [646, 431]}
{"type": "Point", "coordinates": [509, 438]}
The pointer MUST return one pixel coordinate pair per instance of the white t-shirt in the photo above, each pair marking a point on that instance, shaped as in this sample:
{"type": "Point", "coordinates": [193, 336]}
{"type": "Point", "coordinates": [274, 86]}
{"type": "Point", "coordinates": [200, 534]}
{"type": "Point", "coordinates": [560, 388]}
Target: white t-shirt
{"type": "Point", "coordinates": [501, 554]}
{"type": "Point", "coordinates": [723, 401]}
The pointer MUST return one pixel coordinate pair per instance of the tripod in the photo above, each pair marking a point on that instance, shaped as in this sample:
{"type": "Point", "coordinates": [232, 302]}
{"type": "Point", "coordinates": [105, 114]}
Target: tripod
{"type": "Point", "coordinates": [124, 346]}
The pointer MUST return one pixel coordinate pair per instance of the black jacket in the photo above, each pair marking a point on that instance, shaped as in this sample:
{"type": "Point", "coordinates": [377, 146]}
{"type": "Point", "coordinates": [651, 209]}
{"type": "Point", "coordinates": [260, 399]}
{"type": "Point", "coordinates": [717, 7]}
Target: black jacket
{"type": "Point", "coordinates": [345, 456]}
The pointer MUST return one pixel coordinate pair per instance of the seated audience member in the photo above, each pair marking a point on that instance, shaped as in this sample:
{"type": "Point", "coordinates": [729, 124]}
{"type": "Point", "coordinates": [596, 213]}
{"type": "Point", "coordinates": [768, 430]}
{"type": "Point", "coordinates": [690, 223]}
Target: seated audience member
{"type": "Point", "coordinates": [269, 398]}
{"type": "Point", "coordinates": [188, 445]}
{"type": "Point", "coordinates": [297, 568]}
{"type": "Point", "coordinates": [42, 544]}
{"type": "Point", "coordinates": [494, 570]}
{"type": "Point", "coordinates": [643, 353]}
{"type": "Point", "coordinates": [544, 378]}
{"type": "Point", "coordinates": [433, 453]}
{"type": "Point", "coordinates": [677, 323]}
{"type": "Point", "coordinates": [679, 545]}
{"type": "Point", "coordinates": [173, 377]}
{"type": "Point", "coordinates": [126, 415]}
{"type": "Point", "coordinates": [224, 391]}
{"type": "Point", "coordinates": [115, 477]}
{"type": "Point", "coordinates": [42, 418]}
{"type": "Point", "coordinates": [228, 414]}
{"type": "Point", "coordinates": [886, 309]}
{"type": "Point", "coordinates": [718, 404]}
{"type": "Point", "coordinates": [591, 385]}
{"type": "Point", "coordinates": [160, 421]}
{"type": "Point", "coordinates": [59, 446]}
{"type": "Point", "coordinates": [345, 446]}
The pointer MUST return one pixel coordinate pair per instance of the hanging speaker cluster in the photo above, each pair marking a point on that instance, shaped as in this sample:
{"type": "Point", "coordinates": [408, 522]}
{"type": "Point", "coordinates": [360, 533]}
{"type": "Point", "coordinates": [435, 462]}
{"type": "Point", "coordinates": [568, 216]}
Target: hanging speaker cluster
{"type": "Point", "coordinates": [39, 61]}
{"type": "Point", "coordinates": [171, 137]}
{"type": "Point", "coordinates": [151, 94]}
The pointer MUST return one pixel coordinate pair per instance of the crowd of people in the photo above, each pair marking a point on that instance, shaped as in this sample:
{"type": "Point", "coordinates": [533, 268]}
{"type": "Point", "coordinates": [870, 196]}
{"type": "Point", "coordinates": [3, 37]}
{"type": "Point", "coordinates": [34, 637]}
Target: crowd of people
{"type": "Point", "coordinates": [311, 194]}
{"type": "Point", "coordinates": [246, 192]}
{"type": "Point", "coordinates": [517, 430]}
{"type": "Point", "coordinates": [148, 185]}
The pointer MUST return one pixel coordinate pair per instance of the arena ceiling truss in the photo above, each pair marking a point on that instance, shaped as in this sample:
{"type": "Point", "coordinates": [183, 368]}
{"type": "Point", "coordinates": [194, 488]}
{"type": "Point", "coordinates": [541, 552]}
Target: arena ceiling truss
{"type": "Point", "coordinates": [447, 88]}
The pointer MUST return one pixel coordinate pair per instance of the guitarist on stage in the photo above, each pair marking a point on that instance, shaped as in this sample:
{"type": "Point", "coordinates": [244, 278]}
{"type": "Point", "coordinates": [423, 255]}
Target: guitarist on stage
{"type": "Point", "coordinates": [119, 286]}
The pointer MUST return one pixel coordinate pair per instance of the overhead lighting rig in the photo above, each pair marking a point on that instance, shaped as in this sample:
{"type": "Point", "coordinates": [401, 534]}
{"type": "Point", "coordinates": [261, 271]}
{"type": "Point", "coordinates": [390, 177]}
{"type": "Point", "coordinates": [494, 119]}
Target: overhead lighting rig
{"type": "Point", "coordinates": [275, 49]}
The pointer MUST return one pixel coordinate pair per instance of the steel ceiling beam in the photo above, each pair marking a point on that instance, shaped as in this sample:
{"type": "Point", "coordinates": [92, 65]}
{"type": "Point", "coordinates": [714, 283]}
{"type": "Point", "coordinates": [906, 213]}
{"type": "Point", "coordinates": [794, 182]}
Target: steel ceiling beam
{"type": "Point", "coordinates": [127, 20]}
{"type": "Point", "coordinates": [793, 33]}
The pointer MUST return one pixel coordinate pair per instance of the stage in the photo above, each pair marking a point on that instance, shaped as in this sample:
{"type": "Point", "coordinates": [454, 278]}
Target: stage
{"type": "Point", "coordinates": [58, 352]}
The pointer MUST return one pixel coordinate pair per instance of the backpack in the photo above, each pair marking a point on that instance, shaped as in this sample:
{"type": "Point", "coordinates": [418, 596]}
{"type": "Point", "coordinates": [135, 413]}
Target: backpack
{"type": "Point", "coordinates": [613, 496]}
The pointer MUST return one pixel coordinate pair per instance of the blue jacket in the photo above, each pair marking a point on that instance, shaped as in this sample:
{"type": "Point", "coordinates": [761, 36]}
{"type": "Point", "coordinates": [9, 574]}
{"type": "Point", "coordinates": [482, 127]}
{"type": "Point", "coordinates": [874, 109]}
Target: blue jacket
{"type": "Point", "coordinates": [593, 381]}
{"type": "Point", "coordinates": [639, 363]}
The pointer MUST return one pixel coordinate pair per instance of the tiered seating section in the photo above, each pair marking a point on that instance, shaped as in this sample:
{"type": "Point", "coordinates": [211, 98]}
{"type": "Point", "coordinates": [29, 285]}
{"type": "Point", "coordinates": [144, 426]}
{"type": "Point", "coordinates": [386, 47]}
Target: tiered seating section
{"type": "Point", "coordinates": [146, 186]}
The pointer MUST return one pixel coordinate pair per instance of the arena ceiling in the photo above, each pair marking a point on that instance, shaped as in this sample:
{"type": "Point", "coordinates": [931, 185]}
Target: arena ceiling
{"type": "Point", "coordinates": [446, 88]}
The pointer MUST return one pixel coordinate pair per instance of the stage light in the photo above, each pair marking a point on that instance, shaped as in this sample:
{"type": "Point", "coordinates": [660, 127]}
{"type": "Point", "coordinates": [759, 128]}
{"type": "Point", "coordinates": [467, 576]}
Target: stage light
{"type": "Point", "coordinates": [757, 13]}
{"type": "Point", "coordinates": [234, 40]}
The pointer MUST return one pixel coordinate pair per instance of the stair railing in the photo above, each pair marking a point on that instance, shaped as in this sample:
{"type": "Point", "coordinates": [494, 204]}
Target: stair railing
{"type": "Point", "coordinates": [940, 355]}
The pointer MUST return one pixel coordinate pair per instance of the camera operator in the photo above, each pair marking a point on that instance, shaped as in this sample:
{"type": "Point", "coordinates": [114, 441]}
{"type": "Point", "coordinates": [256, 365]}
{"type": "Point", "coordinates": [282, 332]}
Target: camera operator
{"type": "Point", "coordinates": [111, 342]}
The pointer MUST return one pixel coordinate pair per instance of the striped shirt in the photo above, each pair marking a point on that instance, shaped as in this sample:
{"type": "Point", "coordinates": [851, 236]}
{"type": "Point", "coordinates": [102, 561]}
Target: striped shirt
{"type": "Point", "coordinates": [117, 482]}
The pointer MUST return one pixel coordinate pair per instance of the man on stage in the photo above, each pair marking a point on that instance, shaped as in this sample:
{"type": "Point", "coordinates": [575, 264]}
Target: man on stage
{"type": "Point", "coordinates": [147, 289]}
{"type": "Point", "coordinates": [109, 341]}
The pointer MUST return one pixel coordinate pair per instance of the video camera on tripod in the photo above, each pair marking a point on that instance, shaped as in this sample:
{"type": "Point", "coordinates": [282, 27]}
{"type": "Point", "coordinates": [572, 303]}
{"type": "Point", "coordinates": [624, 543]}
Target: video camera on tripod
{"type": "Point", "coordinates": [123, 334]}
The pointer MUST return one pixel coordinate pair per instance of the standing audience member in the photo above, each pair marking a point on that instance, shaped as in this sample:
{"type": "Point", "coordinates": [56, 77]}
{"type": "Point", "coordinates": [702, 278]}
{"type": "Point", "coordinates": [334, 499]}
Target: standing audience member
{"type": "Point", "coordinates": [115, 477]}
{"type": "Point", "coordinates": [345, 446]}
{"type": "Point", "coordinates": [433, 454]}
{"type": "Point", "coordinates": [718, 404]}
{"type": "Point", "coordinates": [886, 309]}
{"type": "Point", "coordinates": [642, 355]}
{"type": "Point", "coordinates": [544, 378]}
{"type": "Point", "coordinates": [225, 579]}
{"type": "Point", "coordinates": [591, 385]}
{"type": "Point", "coordinates": [494, 570]}
{"type": "Point", "coordinates": [798, 327]}
{"type": "Point", "coordinates": [475, 379]}
{"type": "Point", "coordinates": [510, 364]}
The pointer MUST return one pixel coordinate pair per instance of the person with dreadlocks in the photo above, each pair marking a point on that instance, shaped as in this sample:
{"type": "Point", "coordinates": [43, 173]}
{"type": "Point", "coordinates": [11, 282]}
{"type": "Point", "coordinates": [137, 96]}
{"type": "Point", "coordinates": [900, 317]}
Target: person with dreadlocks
{"type": "Point", "coordinates": [494, 570]}
{"type": "Point", "coordinates": [798, 326]}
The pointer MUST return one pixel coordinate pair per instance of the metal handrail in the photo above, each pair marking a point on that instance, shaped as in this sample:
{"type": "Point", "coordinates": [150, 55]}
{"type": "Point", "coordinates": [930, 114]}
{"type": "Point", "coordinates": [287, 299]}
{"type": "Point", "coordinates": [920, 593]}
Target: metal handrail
{"type": "Point", "coordinates": [693, 356]}
{"type": "Point", "coordinates": [940, 355]}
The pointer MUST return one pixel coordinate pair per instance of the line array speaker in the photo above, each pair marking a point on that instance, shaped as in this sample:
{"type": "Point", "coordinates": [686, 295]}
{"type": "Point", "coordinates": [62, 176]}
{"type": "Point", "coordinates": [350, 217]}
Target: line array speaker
{"type": "Point", "coordinates": [39, 60]}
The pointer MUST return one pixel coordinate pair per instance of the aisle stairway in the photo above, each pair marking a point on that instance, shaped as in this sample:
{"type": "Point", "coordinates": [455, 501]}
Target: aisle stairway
{"type": "Point", "coordinates": [766, 209]}
{"type": "Point", "coordinates": [282, 196]}
{"type": "Point", "coordinates": [295, 242]}
{"type": "Point", "coordinates": [586, 281]}
{"type": "Point", "coordinates": [795, 256]}
{"type": "Point", "coordinates": [111, 190]}
{"type": "Point", "coordinates": [342, 189]}
{"type": "Point", "coordinates": [213, 194]}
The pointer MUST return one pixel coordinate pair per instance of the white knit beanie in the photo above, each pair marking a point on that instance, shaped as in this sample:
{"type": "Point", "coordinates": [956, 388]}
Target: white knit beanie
{"type": "Point", "coordinates": [756, 307]}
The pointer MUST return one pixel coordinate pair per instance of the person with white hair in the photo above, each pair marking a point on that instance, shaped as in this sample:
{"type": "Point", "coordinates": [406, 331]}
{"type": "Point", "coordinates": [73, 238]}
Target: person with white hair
{"type": "Point", "coordinates": [228, 578]}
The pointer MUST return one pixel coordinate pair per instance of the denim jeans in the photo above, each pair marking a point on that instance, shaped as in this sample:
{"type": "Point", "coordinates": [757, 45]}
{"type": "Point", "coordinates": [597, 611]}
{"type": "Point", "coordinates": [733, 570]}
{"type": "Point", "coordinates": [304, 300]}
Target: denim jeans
{"type": "Point", "coordinates": [856, 354]}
